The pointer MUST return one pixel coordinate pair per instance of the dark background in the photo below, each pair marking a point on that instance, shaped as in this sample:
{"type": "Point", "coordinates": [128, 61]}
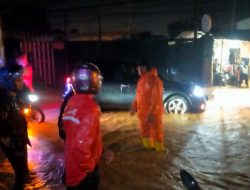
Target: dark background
{"type": "Point", "coordinates": [114, 33]}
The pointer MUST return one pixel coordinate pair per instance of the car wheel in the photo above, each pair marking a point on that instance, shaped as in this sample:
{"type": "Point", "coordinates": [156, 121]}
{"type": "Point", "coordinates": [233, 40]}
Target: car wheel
{"type": "Point", "coordinates": [176, 105]}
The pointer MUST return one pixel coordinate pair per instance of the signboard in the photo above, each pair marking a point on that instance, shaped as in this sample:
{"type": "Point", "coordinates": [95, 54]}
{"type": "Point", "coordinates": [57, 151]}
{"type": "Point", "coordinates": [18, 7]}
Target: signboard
{"type": "Point", "coordinates": [206, 23]}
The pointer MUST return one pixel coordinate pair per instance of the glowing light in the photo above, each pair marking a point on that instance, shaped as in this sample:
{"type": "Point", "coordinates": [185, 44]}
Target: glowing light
{"type": "Point", "coordinates": [68, 80]}
{"type": "Point", "coordinates": [235, 44]}
{"type": "Point", "coordinates": [231, 97]}
{"type": "Point", "coordinates": [33, 97]}
{"type": "Point", "coordinates": [198, 91]}
{"type": "Point", "coordinates": [26, 111]}
{"type": "Point", "coordinates": [30, 133]}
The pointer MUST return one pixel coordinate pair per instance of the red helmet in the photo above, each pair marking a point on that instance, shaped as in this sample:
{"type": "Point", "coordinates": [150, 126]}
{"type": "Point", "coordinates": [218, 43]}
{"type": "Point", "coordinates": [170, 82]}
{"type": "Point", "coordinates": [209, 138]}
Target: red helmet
{"type": "Point", "coordinates": [86, 78]}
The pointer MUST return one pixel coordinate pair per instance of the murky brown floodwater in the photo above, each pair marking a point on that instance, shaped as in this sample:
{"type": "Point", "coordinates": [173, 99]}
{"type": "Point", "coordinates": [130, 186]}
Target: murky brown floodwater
{"type": "Point", "coordinates": [213, 147]}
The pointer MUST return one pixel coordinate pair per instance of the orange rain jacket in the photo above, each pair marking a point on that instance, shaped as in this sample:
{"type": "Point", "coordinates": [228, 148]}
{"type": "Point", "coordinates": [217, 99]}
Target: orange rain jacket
{"type": "Point", "coordinates": [83, 144]}
{"type": "Point", "coordinates": [149, 100]}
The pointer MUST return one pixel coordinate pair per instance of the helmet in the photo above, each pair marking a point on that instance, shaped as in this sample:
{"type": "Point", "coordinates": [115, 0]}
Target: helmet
{"type": "Point", "coordinates": [12, 73]}
{"type": "Point", "coordinates": [86, 78]}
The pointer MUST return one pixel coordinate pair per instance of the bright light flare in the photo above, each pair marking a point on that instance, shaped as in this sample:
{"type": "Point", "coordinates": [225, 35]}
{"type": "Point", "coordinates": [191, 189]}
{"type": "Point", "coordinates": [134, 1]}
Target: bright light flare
{"type": "Point", "coordinates": [33, 97]}
{"type": "Point", "coordinates": [198, 91]}
{"type": "Point", "coordinates": [68, 80]}
{"type": "Point", "coordinates": [235, 44]}
{"type": "Point", "coordinates": [230, 98]}
{"type": "Point", "coordinates": [26, 111]}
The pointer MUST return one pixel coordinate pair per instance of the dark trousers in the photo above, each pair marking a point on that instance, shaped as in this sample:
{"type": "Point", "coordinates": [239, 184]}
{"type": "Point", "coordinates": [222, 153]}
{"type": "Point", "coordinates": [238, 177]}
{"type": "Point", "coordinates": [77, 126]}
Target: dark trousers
{"type": "Point", "coordinates": [90, 182]}
{"type": "Point", "coordinates": [18, 159]}
{"type": "Point", "coordinates": [244, 77]}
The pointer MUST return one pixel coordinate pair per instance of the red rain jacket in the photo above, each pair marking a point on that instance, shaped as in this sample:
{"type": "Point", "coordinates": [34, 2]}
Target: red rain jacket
{"type": "Point", "coordinates": [83, 144]}
{"type": "Point", "coordinates": [27, 77]}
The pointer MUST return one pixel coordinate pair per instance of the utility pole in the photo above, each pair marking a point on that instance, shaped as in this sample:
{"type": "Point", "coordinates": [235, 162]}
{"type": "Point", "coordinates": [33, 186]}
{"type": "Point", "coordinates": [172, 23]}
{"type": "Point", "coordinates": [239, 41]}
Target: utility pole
{"type": "Point", "coordinates": [98, 45]}
{"type": "Point", "coordinates": [233, 18]}
{"type": "Point", "coordinates": [1, 39]}
{"type": "Point", "coordinates": [99, 22]}
{"type": "Point", "coordinates": [130, 21]}
{"type": "Point", "coordinates": [65, 19]}
{"type": "Point", "coordinates": [197, 15]}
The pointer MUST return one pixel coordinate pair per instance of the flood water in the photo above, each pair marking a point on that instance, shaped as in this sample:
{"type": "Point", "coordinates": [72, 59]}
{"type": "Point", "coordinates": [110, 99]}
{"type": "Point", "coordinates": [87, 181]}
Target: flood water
{"type": "Point", "coordinates": [212, 146]}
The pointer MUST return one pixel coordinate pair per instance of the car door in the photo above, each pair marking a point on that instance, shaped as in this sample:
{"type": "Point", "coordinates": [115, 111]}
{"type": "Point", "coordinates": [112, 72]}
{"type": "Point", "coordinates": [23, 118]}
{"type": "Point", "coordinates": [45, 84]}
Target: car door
{"type": "Point", "coordinates": [127, 93]}
{"type": "Point", "coordinates": [109, 95]}
{"type": "Point", "coordinates": [128, 85]}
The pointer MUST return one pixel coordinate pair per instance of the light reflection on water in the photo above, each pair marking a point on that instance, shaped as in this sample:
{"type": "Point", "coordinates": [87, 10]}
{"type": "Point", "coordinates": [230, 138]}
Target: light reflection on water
{"type": "Point", "coordinates": [45, 160]}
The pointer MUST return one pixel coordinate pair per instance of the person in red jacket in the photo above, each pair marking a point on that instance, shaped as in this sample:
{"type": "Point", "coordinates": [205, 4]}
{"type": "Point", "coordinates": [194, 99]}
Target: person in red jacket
{"type": "Point", "coordinates": [83, 143]}
{"type": "Point", "coordinates": [148, 104]}
{"type": "Point", "coordinates": [22, 60]}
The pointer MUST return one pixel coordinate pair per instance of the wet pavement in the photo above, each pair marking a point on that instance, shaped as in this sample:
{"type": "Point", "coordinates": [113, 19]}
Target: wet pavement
{"type": "Point", "coordinates": [212, 146]}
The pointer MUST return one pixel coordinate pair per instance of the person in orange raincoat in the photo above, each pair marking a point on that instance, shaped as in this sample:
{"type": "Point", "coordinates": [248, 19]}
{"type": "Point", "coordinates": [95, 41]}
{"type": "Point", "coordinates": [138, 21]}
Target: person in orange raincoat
{"type": "Point", "coordinates": [148, 104]}
{"type": "Point", "coordinates": [81, 125]}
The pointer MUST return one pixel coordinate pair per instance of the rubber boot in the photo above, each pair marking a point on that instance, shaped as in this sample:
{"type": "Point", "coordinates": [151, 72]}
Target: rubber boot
{"type": "Point", "coordinates": [159, 146]}
{"type": "Point", "coordinates": [148, 143]}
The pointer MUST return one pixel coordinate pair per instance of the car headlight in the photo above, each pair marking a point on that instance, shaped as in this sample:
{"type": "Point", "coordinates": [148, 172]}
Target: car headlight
{"type": "Point", "coordinates": [198, 91]}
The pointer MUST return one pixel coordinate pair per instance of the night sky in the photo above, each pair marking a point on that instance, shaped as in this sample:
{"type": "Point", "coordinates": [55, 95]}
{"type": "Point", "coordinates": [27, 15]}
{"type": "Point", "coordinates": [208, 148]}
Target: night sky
{"type": "Point", "coordinates": [159, 17]}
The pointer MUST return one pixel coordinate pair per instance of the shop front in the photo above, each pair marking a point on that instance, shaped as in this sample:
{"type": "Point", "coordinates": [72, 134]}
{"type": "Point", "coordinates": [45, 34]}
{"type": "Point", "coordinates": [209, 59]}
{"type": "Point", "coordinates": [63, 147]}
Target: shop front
{"type": "Point", "coordinates": [230, 63]}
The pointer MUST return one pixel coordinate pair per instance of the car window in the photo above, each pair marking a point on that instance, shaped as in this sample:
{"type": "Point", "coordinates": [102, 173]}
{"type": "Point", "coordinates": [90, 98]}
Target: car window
{"type": "Point", "coordinates": [108, 72]}
{"type": "Point", "coordinates": [120, 72]}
